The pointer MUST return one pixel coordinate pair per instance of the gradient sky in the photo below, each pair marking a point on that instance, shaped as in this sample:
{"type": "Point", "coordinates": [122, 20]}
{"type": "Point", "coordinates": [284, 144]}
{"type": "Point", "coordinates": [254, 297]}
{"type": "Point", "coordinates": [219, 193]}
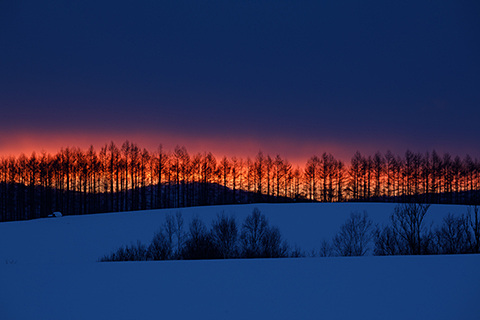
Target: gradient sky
{"type": "Point", "coordinates": [291, 77]}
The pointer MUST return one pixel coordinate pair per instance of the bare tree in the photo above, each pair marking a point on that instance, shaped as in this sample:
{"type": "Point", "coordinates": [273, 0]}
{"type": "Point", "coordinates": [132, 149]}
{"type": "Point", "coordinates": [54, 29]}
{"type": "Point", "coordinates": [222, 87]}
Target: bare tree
{"type": "Point", "coordinates": [199, 243]}
{"type": "Point", "coordinates": [236, 169]}
{"type": "Point", "coordinates": [453, 236]}
{"type": "Point", "coordinates": [474, 221]}
{"type": "Point", "coordinates": [225, 234]}
{"type": "Point", "coordinates": [161, 247]}
{"type": "Point", "coordinates": [311, 177]}
{"type": "Point", "coordinates": [386, 242]}
{"type": "Point", "coordinates": [273, 246]}
{"type": "Point", "coordinates": [174, 232]}
{"type": "Point", "coordinates": [326, 249]}
{"type": "Point", "coordinates": [408, 224]}
{"type": "Point", "coordinates": [354, 236]}
{"type": "Point", "coordinates": [258, 240]}
{"type": "Point", "coordinates": [354, 172]}
{"type": "Point", "coordinates": [259, 174]}
{"type": "Point", "coordinates": [225, 168]}
{"type": "Point", "coordinates": [253, 231]}
{"type": "Point", "coordinates": [378, 169]}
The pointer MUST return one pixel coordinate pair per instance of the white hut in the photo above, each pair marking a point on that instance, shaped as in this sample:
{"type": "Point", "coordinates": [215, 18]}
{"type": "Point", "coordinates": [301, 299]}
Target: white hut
{"type": "Point", "coordinates": [56, 214]}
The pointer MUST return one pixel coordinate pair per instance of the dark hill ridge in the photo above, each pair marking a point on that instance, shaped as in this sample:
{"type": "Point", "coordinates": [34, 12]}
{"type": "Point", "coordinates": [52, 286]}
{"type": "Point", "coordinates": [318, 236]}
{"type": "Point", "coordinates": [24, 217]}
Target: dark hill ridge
{"type": "Point", "coordinates": [20, 202]}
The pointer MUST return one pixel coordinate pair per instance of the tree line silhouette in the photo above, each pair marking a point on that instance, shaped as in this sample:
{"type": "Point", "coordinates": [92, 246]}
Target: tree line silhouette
{"type": "Point", "coordinates": [75, 181]}
{"type": "Point", "coordinates": [224, 240]}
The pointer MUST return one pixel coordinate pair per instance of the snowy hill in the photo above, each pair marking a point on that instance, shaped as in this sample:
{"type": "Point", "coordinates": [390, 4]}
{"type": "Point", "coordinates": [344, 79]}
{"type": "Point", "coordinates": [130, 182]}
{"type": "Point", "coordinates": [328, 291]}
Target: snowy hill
{"type": "Point", "coordinates": [48, 270]}
{"type": "Point", "coordinates": [86, 238]}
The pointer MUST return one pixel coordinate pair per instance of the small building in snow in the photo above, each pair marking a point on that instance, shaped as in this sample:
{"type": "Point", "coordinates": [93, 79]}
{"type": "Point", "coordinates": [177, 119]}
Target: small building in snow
{"type": "Point", "coordinates": [56, 214]}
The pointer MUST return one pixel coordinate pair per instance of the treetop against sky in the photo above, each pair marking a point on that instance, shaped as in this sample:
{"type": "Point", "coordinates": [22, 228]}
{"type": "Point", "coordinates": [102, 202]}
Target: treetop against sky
{"type": "Point", "coordinates": [128, 177]}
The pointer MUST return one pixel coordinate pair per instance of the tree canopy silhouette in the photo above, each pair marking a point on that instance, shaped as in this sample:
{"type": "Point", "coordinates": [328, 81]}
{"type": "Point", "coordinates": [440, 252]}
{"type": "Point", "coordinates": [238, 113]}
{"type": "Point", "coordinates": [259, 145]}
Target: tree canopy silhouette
{"type": "Point", "coordinates": [128, 177]}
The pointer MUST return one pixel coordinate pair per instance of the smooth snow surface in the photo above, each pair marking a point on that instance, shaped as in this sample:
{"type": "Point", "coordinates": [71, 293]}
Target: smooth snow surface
{"type": "Point", "coordinates": [87, 238]}
{"type": "Point", "coordinates": [48, 271]}
{"type": "Point", "coordinates": [433, 287]}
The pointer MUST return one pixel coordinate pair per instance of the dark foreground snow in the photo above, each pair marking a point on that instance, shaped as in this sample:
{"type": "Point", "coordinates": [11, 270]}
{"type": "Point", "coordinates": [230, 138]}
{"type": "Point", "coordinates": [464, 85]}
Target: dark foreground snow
{"type": "Point", "coordinates": [429, 287]}
{"type": "Point", "coordinates": [48, 271]}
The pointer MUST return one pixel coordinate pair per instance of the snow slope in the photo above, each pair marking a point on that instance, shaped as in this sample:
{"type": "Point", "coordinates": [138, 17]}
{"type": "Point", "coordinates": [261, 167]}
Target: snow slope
{"type": "Point", "coordinates": [48, 271]}
{"type": "Point", "coordinates": [429, 287]}
{"type": "Point", "coordinates": [86, 238]}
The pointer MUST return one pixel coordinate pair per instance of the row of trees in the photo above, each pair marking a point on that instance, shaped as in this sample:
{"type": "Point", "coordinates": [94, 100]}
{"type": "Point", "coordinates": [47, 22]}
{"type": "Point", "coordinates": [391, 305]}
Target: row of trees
{"type": "Point", "coordinates": [223, 240]}
{"type": "Point", "coordinates": [407, 234]}
{"type": "Point", "coordinates": [439, 179]}
{"type": "Point", "coordinates": [76, 181]}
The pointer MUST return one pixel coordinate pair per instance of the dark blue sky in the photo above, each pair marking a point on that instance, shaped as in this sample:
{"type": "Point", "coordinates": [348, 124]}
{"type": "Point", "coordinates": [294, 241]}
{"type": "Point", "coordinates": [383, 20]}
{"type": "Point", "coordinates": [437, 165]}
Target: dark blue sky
{"type": "Point", "coordinates": [290, 77]}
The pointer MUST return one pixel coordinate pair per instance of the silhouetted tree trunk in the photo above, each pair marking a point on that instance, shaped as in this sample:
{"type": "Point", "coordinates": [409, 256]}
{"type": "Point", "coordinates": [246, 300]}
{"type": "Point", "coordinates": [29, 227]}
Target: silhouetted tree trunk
{"type": "Point", "coordinates": [378, 169]}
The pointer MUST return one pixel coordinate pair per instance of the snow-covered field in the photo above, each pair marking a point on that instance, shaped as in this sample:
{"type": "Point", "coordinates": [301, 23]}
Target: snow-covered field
{"type": "Point", "coordinates": [73, 239]}
{"type": "Point", "coordinates": [48, 270]}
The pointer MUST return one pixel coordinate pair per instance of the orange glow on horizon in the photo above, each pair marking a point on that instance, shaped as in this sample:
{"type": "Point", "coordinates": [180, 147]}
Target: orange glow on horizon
{"type": "Point", "coordinates": [296, 153]}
